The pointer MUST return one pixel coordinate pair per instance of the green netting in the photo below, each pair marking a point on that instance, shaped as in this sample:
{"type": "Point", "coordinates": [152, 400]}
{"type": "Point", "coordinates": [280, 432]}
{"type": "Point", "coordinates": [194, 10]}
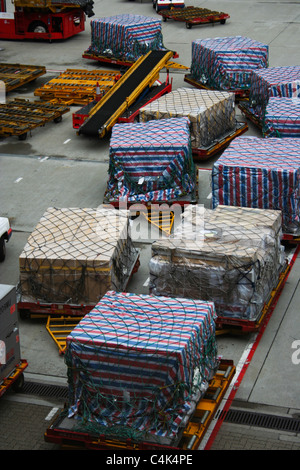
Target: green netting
{"type": "Point", "coordinates": [138, 365]}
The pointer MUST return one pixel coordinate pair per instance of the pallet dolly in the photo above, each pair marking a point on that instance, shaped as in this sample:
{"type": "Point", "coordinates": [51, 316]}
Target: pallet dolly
{"type": "Point", "coordinates": [16, 75]}
{"type": "Point", "coordinates": [193, 16]}
{"type": "Point", "coordinates": [15, 379]}
{"type": "Point", "coordinates": [208, 152]}
{"type": "Point", "coordinates": [226, 325]}
{"type": "Point", "coordinates": [64, 431]}
{"type": "Point", "coordinates": [239, 94]}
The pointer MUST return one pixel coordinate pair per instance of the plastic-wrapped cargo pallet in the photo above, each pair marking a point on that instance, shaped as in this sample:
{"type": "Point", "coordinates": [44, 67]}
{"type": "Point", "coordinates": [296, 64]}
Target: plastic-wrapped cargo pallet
{"type": "Point", "coordinates": [150, 162]}
{"type": "Point", "coordinates": [138, 364]}
{"type": "Point", "coordinates": [125, 36]}
{"type": "Point", "coordinates": [227, 63]}
{"type": "Point", "coordinates": [262, 173]}
{"type": "Point", "coordinates": [230, 256]}
{"type": "Point", "coordinates": [75, 255]}
{"type": "Point", "coordinates": [282, 117]}
{"type": "Point", "coordinates": [211, 113]}
{"type": "Point", "coordinates": [283, 82]}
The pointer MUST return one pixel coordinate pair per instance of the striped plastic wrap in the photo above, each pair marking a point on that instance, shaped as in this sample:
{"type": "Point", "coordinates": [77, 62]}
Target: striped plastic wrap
{"type": "Point", "coordinates": [227, 63]}
{"type": "Point", "coordinates": [125, 36]}
{"type": "Point", "coordinates": [136, 363]}
{"type": "Point", "coordinates": [282, 82]}
{"type": "Point", "coordinates": [260, 173]}
{"type": "Point", "coordinates": [282, 117]}
{"type": "Point", "coordinates": [211, 113]}
{"type": "Point", "coordinates": [150, 162]}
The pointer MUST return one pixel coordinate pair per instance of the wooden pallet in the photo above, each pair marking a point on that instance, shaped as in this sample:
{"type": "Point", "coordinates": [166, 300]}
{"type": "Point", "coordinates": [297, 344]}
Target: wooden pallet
{"type": "Point", "coordinates": [20, 116]}
{"type": "Point", "coordinates": [192, 16]}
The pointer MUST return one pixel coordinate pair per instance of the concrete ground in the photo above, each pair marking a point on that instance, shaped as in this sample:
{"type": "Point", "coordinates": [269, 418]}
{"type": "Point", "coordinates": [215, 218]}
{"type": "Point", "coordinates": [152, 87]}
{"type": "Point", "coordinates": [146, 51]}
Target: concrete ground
{"type": "Point", "coordinates": [55, 167]}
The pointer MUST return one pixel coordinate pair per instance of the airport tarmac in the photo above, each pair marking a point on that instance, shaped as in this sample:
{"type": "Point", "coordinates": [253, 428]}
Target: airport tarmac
{"type": "Point", "coordinates": [55, 167]}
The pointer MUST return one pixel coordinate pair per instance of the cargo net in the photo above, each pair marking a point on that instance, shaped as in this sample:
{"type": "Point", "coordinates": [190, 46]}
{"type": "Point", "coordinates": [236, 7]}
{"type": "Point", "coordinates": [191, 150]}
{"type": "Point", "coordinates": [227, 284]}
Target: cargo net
{"type": "Point", "coordinates": [150, 161]}
{"type": "Point", "coordinates": [274, 100]}
{"type": "Point", "coordinates": [260, 173]}
{"type": "Point", "coordinates": [211, 113]}
{"type": "Point", "coordinates": [75, 255]}
{"type": "Point", "coordinates": [227, 63]}
{"type": "Point", "coordinates": [125, 36]}
{"type": "Point", "coordinates": [138, 365]}
{"type": "Point", "coordinates": [230, 255]}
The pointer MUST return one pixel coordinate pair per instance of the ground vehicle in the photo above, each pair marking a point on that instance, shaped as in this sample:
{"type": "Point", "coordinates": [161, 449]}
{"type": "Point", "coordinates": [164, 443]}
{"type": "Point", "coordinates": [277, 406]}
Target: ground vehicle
{"type": "Point", "coordinates": [44, 19]}
{"type": "Point", "coordinates": [5, 234]}
{"type": "Point", "coordinates": [167, 4]}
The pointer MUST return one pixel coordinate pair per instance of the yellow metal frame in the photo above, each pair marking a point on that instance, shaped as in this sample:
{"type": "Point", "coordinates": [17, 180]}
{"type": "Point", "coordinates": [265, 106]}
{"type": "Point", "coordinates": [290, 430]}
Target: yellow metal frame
{"type": "Point", "coordinates": [60, 327]}
{"type": "Point", "coordinates": [129, 100]}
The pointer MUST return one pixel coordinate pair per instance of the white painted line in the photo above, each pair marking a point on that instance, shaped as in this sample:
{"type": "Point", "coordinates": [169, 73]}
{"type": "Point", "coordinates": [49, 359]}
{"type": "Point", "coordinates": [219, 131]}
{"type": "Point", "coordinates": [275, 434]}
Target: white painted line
{"type": "Point", "coordinates": [18, 180]}
{"type": "Point", "coordinates": [209, 196]}
{"type": "Point", "coordinates": [66, 141]}
{"type": "Point", "coordinates": [44, 159]}
{"type": "Point", "coordinates": [51, 414]}
{"type": "Point", "coordinates": [146, 283]}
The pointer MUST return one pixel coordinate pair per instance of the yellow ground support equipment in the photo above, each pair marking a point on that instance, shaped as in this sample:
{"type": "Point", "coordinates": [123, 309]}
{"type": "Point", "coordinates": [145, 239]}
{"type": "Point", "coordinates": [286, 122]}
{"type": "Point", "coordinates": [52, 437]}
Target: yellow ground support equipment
{"type": "Point", "coordinates": [64, 431]}
{"type": "Point", "coordinates": [20, 116]}
{"type": "Point", "coordinates": [16, 75]}
{"type": "Point", "coordinates": [60, 327]}
{"type": "Point", "coordinates": [77, 86]}
{"type": "Point", "coordinates": [143, 73]}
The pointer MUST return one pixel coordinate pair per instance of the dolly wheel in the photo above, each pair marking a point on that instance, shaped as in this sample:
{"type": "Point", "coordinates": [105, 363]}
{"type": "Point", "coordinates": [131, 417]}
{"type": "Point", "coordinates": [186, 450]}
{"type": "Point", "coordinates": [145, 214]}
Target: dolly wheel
{"type": "Point", "coordinates": [23, 136]}
{"type": "Point", "coordinates": [58, 119]}
{"type": "Point", "coordinates": [188, 25]}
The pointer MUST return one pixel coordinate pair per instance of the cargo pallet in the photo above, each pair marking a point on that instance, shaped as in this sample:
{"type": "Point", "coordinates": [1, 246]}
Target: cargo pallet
{"type": "Point", "coordinates": [77, 86]}
{"type": "Point", "coordinates": [16, 75]}
{"type": "Point", "coordinates": [239, 94]}
{"type": "Point", "coordinates": [36, 309]}
{"type": "Point", "coordinates": [64, 431]}
{"type": "Point", "coordinates": [226, 325]}
{"type": "Point", "coordinates": [193, 16]}
{"type": "Point", "coordinates": [131, 114]}
{"type": "Point", "coordinates": [15, 379]}
{"type": "Point", "coordinates": [207, 152]}
{"type": "Point", "coordinates": [20, 116]}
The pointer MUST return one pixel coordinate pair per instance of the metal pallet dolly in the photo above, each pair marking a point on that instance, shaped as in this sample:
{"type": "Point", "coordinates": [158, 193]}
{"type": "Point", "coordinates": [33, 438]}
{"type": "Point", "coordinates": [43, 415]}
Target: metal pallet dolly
{"type": "Point", "coordinates": [20, 116]}
{"type": "Point", "coordinates": [193, 16]}
{"type": "Point", "coordinates": [207, 152]}
{"type": "Point", "coordinates": [77, 86]}
{"type": "Point", "coordinates": [64, 431]}
{"type": "Point", "coordinates": [226, 325]}
{"type": "Point", "coordinates": [15, 379]}
{"type": "Point", "coordinates": [239, 94]}
{"type": "Point", "coordinates": [16, 75]}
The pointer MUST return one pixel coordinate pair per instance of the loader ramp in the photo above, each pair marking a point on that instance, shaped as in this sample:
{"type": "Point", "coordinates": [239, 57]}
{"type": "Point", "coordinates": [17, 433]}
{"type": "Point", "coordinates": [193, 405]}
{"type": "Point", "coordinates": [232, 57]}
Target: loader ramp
{"type": "Point", "coordinates": [124, 93]}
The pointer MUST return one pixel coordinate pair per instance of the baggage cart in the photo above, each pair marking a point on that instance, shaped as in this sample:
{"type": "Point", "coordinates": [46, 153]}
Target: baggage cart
{"type": "Point", "coordinates": [193, 16]}
{"type": "Point", "coordinates": [64, 431]}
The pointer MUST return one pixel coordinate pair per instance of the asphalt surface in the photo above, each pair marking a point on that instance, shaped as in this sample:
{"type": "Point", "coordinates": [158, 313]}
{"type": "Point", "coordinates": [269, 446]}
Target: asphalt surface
{"type": "Point", "coordinates": [55, 167]}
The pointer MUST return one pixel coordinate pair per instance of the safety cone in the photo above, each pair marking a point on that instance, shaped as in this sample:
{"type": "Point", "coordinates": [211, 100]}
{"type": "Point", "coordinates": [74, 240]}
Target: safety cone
{"type": "Point", "coordinates": [98, 94]}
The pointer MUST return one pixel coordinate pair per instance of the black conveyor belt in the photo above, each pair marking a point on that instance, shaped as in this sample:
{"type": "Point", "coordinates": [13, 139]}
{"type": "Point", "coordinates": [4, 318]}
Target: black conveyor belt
{"type": "Point", "coordinates": [95, 122]}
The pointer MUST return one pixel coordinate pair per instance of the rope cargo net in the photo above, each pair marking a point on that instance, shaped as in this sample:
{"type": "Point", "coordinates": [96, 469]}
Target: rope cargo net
{"type": "Point", "coordinates": [260, 173]}
{"type": "Point", "coordinates": [150, 161]}
{"type": "Point", "coordinates": [227, 63]}
{"type": "Point", "coordinates": [75, 255]}
{"type": "Point", "coordinates": [274, 100]}
{"type": "Point", "coordinates": [211, 113]}
{"type": "Point", "coordinates": [229, 255]}
{"type": "Point", "coordinates": [138, 365]}
{"type": "Point", "coordinates": [125, 36]}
